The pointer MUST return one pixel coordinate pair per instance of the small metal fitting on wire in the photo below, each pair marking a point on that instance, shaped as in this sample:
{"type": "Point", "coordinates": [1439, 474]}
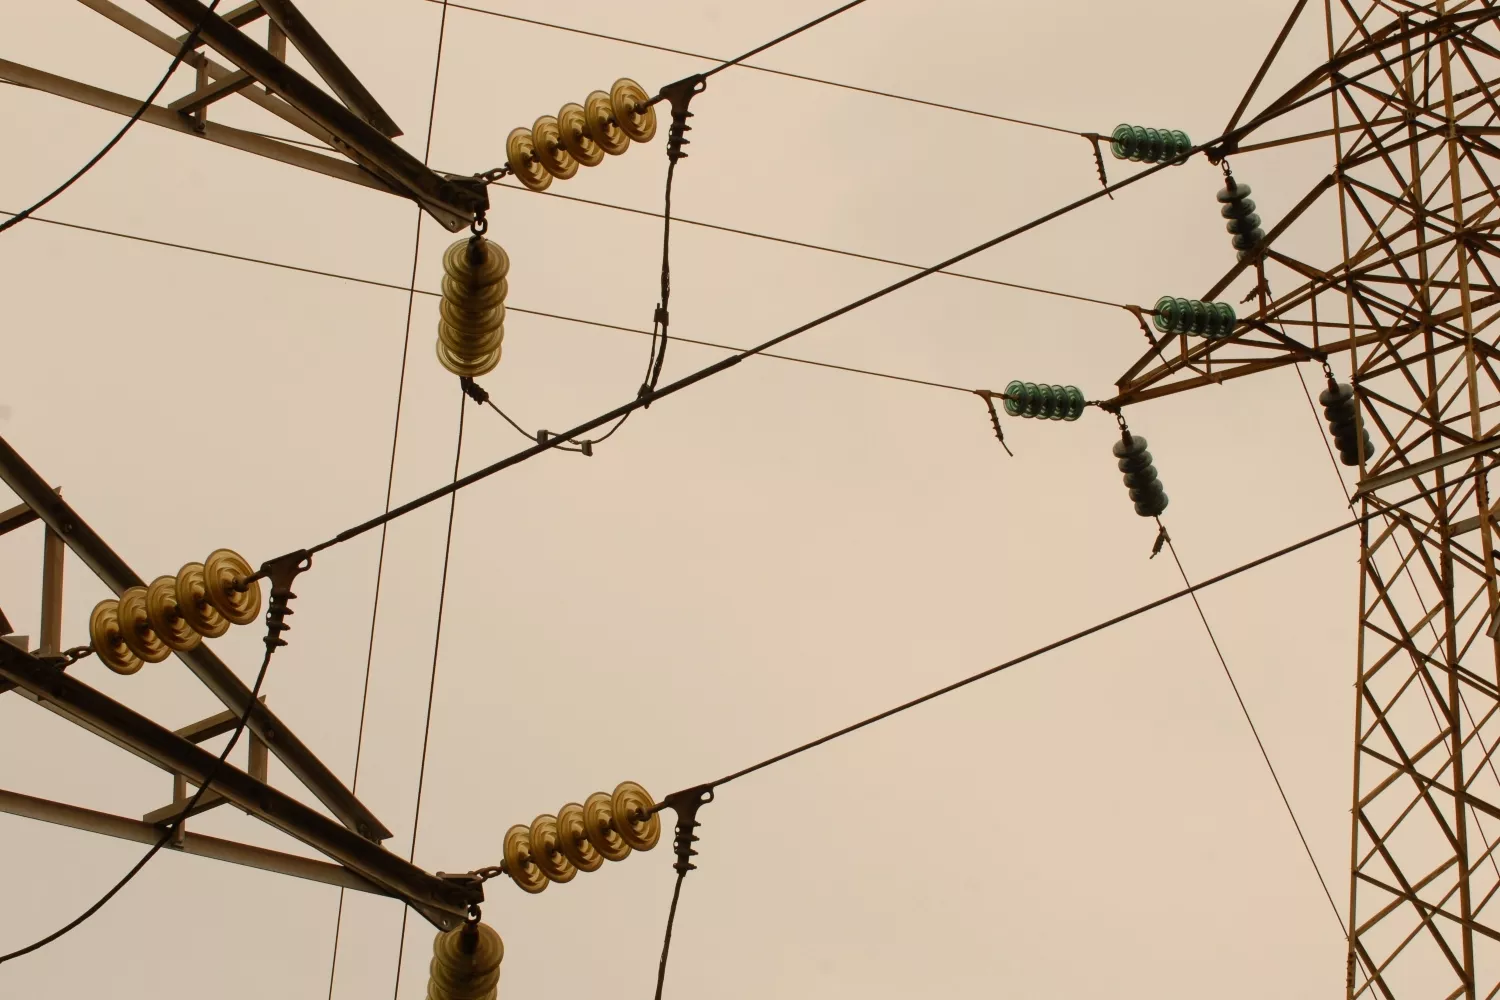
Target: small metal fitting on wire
{"type": "Point", "coordinates": [679, 95]}
{"type": "Point", "coordinates": [989, 401]}
{"type": "Point", "coordinates": [282, 571]}
{"type": "Point", "coordinates": [686, 804]}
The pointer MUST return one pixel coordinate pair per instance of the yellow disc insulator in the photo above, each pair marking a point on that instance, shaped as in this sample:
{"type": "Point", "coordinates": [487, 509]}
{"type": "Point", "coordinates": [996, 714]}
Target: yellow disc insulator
{"type": "Point", "coordinates": [466, 964]}
{"type": "Point", "coordinates": [135, 627]}
{"type": "Point", "coordinates": [230, 589]}
{"type": "Point", "coordinates": [519, 863]}
{"type": "Point", "coordinates": [635, 816]}
{"type": "Point", "coordinates": [574, 840]}
{"type": "Point", "coordinates": [573, 129]}
{"type": "Point", "coordinates": [471, 323]}
{"type": "Point", "coordinates": [521, 158]}
{"type": "Point", "coordinates": [599, 119]}
{"type": "Point", "coordinates": [554, 156]}
{"type": "Point", "coordinates": [108, 642]}
{"type": "Point", "coordinates": [635, 117]}
{"type": "Point", "coordinates": [599, 827]}
{"type": "Point", "coordinates": [192, 601]}
{"type": "Point", "coordinates": [167, 619]}
{"type": "Point", "coordinates": [547, 852]}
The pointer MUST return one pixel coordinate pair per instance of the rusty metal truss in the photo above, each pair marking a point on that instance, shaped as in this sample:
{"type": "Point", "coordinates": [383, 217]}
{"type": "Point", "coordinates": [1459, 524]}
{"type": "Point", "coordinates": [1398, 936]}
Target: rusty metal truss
{"type": "Point", "coordinates": [1406, 299]}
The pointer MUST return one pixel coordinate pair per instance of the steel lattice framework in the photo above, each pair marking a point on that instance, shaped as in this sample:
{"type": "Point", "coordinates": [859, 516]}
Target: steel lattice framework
{"type": "Point", "coordinates": [1410, 309]}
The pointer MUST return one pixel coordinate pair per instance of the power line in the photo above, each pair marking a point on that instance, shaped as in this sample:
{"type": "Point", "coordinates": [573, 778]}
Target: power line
{"type": "Point", "coordinates": [437, 638]}
{"type": "Point", "coordinates": [1245, 710]}
{"type": "Point", "coordinates": [765, 69]}
{"type": "Point", "coordinates": [600, 324]}
{"type": "Point", "coordinates": [704, 373]}
{"type": "Point", "coordinates": [781, 38]}
{"type": "Point", "coordinates": [188, 44]}
{"type": "Point", "coordinates": [390, 482]}
{"type": "Point", "coordinates": [1067, 640]}
{"type": "Point", "coordinates": [720, 366]}
{"type": "Point", "coordinates": [787, 241]}
{"type": "Point", "coordinates": [171, 825]}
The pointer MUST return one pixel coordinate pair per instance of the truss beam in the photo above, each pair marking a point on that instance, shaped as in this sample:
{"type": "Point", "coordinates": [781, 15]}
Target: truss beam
{"type": "Point", "coordinates": [441, 901]}
{"type": "Point", "coordinates": [201, 660]}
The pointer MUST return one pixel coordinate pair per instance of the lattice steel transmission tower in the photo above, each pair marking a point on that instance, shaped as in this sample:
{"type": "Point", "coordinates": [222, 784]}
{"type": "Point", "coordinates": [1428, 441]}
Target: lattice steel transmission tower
{"type": "Point", "coordinates": [1410, 310]}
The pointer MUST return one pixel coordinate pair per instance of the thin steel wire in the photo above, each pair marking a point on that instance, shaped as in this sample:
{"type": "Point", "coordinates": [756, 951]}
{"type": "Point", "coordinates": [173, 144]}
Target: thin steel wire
{"type": "Point", "coordinates": [781, 38]}
{"type": "Point", "coordinates": [390, 481]}
{"type": "Point", "coordinates": [509, 308]}
{"type": "Point", "coordinates": [787, 241]}
{"type": "Point", "coordinates": [437, 637]}
{"type": "Point", "coordinates": [766, 69]}
{"type": "Point", "coordinates": [1254, 731]}
{"type": "Point", "coordinates": [1067, 640]}
{"type": "Point", "coordinates": [725, 364]}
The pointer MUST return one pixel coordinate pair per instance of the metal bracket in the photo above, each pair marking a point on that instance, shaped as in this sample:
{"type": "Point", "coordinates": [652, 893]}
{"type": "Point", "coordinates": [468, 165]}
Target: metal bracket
{"type": "Point", "coordinates": [201, 660]}
{"type": "Point", "coordinates": [441, 902]}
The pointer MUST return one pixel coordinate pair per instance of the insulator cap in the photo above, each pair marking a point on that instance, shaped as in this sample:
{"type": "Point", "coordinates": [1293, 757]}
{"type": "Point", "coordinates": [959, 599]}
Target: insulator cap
{"type": "Point", "coordinates": [466, 964]}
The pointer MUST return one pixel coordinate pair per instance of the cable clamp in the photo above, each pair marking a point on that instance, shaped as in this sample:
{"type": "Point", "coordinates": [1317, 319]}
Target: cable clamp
{"type": "Point", "coordinates": [989, 401]}
{"type": "Point", "coordinates": [282, 571]}
{"type": "Point", "coordinates": [1096, 139]}
{"type": "Point", "coordinates": [686, 804]}
{"type": "Point", "coordinates": [474, 390]}
{"type": "Point", "coordinates": [1161, 539]}
{"type": "Point", "coordinates": [679, 95]}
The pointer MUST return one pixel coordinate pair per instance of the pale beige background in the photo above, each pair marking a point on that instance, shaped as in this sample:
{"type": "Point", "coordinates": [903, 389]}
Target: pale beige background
{"type": "Point", "coordinates": [750, 564]}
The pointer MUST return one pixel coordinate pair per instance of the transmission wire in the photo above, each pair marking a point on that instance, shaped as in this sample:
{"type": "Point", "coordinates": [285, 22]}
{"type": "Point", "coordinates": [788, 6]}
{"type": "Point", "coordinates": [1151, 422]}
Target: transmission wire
{"type": "Point", "coordinates": [437, 637]}
{"type": "Point", "coordinates": [766, 69]}
{"type": "Point", "coordinates": [390, 482]}
{"type": "Point", "coordinates": [1245, 710]}
{"type": "Point", "coordinates": [509, 308]}
{"type": "Point", "coordinates": [189, 42]}
{"type": "Point", "coordinates": [1067, 640]}
{"type": "Point", "coordinates": [729, 362]}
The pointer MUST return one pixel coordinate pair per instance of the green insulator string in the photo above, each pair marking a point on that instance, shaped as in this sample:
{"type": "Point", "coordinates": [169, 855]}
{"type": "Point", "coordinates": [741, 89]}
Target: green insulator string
{"type": "Point", "coordinates": [1044, 402]}
{"type": "Point", "coordinates": [1149, 145]}
{"type": "Point", "coordinates": [1243, 224]}
{"type": "Point", "coordinates": [1213, 320]}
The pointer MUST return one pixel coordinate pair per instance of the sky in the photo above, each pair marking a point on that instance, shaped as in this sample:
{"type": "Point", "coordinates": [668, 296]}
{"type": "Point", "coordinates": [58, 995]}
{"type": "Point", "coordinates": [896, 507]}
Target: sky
{"type": "Point", "coordinates": [768, 556]}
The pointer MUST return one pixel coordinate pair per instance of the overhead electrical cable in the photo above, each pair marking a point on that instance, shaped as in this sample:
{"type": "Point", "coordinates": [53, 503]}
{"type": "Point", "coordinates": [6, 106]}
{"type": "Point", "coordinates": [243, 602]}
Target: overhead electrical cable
{"type": "Point", "coordinates": [787, 241]}
{"type": "Point", "coordinates": [704, 373]}
{"type": "Point", "coordinates": [1254, 731]}
{"type": "Point", "coordinates": [1065, 641]}
{"type": "Point", "coordinates": [437, 638]}
{"type": "Point", "coordinates": [390, 481]}
{"type": "Point", "coordinates": [189, 42]}
{"type": "Point", "coordinates": [508, 308]}
{"type": "Point", "coordinates": [766, 69]}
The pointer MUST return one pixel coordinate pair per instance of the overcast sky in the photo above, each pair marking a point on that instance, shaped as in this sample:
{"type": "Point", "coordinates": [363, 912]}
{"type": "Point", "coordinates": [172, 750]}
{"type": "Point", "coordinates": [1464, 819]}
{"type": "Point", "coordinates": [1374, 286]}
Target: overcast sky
{"type": "Point", "coordinates": [766, 557]}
